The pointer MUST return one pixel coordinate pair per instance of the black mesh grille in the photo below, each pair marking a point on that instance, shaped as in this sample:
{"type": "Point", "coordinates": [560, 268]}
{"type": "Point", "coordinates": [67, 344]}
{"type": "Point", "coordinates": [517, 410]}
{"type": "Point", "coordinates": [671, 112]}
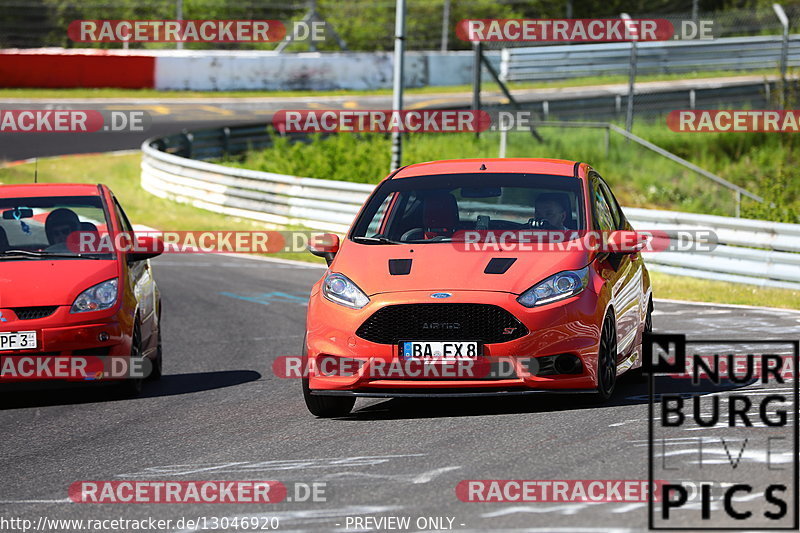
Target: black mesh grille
{"type": "Point", "coordinates": [441, 322]}
{"type": "Point", "coordinates": [29, 313]}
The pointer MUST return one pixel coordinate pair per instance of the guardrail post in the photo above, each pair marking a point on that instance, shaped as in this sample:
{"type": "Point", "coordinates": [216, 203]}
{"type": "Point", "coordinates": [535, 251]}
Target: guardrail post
{"type": "Point", "coordinates": [503, 141]}
{"type": "Point", "coordinates": [476, 79]}
{"type": "Point", "coordinates": [178, 16]}
{"type": "Point", "coordinates": [226, 141]}
{"type": "Point", "coordinates": [397, 90]}
{"type": "Point", "coordinates": [189, 141]}
{"type": "Point", "coordinates": [738, 206]}
{"type": "Point", "coordinates": [781, 14]}
{"type": "Point", "coordinates": [631, 78]}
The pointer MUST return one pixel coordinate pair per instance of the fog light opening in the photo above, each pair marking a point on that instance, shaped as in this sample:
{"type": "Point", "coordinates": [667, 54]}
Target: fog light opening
{"type": "Point", "coordinates": [103, 337]}
{"type": "Point", "coordinates": [567, 364]}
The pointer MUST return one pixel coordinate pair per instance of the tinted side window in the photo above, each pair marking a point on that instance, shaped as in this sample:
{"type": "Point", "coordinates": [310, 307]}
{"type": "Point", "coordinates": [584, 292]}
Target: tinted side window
{"type": "Point", "coordinates": [603, 219]}
{"type": "Point", "coordinates": [123, 219]}
{"type": "Point", "coordinates": [616, 211]}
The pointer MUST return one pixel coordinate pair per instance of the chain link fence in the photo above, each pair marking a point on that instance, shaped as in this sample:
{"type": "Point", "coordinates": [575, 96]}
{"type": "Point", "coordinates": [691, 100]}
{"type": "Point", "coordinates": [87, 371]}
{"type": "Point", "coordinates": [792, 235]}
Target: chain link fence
{"type": "Point", "coordinates": [756, 43]}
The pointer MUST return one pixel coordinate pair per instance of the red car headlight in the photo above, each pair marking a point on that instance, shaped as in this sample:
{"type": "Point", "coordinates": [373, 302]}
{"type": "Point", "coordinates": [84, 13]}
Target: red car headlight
{"type": "Point", "coordinates": [97, 297]}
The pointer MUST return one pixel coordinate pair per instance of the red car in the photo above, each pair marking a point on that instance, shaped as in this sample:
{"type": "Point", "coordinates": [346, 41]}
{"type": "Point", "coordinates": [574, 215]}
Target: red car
{"type": "Point", "coordinates": [56, 302]}
{"type": "Point", "coordinates": [407, 285]}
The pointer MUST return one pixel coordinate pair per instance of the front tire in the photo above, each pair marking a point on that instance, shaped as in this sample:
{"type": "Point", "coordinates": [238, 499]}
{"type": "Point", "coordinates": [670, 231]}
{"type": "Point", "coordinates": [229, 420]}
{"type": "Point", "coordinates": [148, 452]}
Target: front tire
{"type": "Point", "coordinates": [324, 406]}
{"type": "Point", "coordinates": [638, 374]}
{"type": "Point", "coordinates": [156, 371]}
{"type": "Point", "coordinates": [607, 361]}
{"type": "Point", "coordinates": [327, 406]}
{"type": "Point", "coordinates": [132, 387]}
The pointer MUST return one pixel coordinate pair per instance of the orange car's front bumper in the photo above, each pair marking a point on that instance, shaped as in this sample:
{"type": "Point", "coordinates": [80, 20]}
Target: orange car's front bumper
{"type": "Point", "coordinates": [568, 327]}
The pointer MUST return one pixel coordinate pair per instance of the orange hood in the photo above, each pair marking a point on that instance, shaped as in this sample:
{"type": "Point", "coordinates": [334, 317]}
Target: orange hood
{"type": "Point", "coordinates": [443, 267]}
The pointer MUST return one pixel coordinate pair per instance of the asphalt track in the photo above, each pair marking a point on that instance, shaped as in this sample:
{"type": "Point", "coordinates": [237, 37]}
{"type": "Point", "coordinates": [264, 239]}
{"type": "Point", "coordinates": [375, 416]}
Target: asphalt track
{"type": "Point", "coordinates": [219, 413]}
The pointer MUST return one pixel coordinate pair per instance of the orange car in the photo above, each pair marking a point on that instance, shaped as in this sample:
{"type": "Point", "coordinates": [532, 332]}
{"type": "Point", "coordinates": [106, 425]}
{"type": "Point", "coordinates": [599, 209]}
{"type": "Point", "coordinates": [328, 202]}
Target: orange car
{"type": "Point", "coordinates": [473, 277]}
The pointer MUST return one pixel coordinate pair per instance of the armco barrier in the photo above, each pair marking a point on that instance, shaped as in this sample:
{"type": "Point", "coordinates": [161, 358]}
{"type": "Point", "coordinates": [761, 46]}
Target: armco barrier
{"type": "Point", "coordinates": [574, 61]}
{"type": "Point", "coordinates": [749, 251]}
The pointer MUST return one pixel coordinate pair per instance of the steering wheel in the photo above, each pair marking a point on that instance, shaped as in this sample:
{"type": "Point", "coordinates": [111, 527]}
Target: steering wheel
{"type": "Point", "coordinates": [541, 224]}
{"type": "Point", "coordinates": [414, 234]}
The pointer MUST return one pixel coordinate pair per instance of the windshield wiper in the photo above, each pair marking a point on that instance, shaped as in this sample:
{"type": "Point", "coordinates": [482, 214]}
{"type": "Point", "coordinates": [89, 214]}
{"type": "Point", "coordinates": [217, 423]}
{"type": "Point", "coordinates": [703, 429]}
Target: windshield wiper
{"type": "Point", "coordinates": [375, 240]}
{"type": "Point", "coordinates": [43, 254]}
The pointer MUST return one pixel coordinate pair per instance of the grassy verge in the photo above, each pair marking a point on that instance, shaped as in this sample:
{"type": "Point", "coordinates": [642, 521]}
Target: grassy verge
{"type": "Point", "coordinates": [700, 290]}
{"type": "Point", "coordinates": [121, 173]}
{"type": "Point", "coordinates": [488, 86]}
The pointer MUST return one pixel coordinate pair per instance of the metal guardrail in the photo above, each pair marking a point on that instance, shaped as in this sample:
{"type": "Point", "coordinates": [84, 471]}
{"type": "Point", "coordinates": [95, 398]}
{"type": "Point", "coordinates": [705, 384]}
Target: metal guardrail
{"type": "Point", "coordinates": [168, 172]}
{"type": "Point", "coordinates": [662, 57]}
{"type": "Point", "coordinates": [749, 251]}
{"type": "Point", "coordinates": [605, 104]}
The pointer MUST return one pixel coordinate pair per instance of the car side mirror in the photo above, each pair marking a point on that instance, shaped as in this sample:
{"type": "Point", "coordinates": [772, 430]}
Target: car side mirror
{"type": "Point", "coordinates": [625, 242]}
{"type": "Point", "coordinates": [145, 247]}
{"type": "Point", "coordinates": [324, 245]}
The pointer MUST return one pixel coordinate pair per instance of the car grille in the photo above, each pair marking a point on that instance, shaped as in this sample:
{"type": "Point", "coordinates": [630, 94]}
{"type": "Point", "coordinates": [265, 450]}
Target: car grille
{"type": "Point", "coordinates": [441, 322]}
{"type": "Point", "coordinates": [30, 313]}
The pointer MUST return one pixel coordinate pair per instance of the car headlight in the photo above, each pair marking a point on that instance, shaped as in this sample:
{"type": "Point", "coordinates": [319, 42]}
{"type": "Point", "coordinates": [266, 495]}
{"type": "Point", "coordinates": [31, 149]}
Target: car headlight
{"type": "Point", "coordinates": [96, 298]}
{"type": "Point", "coordinates": [339, 289]}
{"type": "Point", "coordinates": [556, 287]}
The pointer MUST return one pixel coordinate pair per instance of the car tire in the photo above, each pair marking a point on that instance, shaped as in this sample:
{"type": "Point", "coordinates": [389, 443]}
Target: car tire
{"type": "Point", "coordinates": [638, 374]}
{"type": "Point", "coordinates": [324, 406]}
{"type": "Point", "coordinates": [327, 406]}
{"type": "Point", "coordinates": [607, 361]}
{"type": "Point", "coordinates": [133, 387]}
{"type": "Point", "coordinates": [156, 371]}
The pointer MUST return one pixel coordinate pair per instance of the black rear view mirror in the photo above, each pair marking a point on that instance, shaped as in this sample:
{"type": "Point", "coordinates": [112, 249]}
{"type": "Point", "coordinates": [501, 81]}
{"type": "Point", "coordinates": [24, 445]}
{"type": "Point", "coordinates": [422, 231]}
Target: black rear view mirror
{"type": "Point", "coordinates": [17, 213]}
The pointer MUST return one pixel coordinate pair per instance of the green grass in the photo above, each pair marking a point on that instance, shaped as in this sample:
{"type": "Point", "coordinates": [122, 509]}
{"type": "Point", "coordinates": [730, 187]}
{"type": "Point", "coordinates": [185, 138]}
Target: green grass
{"type": "Point", "coordinates": [487, 86]}
{"type": "Point", "coordinates": [121, 173]}
{"type": "Point", "coordinates": [700, 290]}
{"type": "Point", "coordinates": [766, 164]}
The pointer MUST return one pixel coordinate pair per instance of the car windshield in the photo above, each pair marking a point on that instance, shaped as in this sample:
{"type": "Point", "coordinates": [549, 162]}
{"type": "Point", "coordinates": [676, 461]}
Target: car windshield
{"type": "Point", "coordinates": [47, 227]}
{"type": "Point", "coordinates": [438, 208]}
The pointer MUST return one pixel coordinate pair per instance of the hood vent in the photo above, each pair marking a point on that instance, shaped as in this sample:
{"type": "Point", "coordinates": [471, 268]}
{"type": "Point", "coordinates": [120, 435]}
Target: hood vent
{"type": "Point", "coordinates": [499, 265]}
{"type": "Point", "coordinates": [399, 267]}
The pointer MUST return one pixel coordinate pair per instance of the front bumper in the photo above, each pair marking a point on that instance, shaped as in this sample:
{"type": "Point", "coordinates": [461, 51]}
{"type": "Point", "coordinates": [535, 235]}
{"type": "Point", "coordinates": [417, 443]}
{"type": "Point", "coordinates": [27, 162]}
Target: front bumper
{"type": "Point", "coordinates": [571, 326]}
{"type": "Point", "coordinates": [63, 334]}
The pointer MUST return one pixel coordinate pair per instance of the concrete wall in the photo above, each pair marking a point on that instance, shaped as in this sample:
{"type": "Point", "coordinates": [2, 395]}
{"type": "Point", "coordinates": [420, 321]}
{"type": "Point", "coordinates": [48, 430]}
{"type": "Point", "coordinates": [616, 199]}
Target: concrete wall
{"type": "Point", "coordinates": [231, 70]}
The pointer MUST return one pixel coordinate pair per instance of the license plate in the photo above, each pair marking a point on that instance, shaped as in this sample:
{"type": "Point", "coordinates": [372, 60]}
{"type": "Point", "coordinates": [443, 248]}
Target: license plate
{"type": "Point", "coordinates": [439, 350]}
{"type": "Point", "coordinates": [17, 340]}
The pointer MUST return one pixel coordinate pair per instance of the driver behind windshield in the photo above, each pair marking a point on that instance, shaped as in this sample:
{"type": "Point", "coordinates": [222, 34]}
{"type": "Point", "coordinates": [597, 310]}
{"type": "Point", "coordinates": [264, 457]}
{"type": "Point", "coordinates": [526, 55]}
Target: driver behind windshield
{"type": "Point", "coordinates": [59, 224]}
{"type": "Point", "coordinates": [550, 212]}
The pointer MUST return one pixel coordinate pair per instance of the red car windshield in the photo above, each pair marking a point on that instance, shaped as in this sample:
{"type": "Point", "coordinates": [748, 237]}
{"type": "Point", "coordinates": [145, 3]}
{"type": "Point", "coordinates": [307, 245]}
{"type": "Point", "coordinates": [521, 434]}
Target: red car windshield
{"type": "Point", "coordinates": [440, 208]}
{"type": "Point", "coordinates": [39, 227]}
